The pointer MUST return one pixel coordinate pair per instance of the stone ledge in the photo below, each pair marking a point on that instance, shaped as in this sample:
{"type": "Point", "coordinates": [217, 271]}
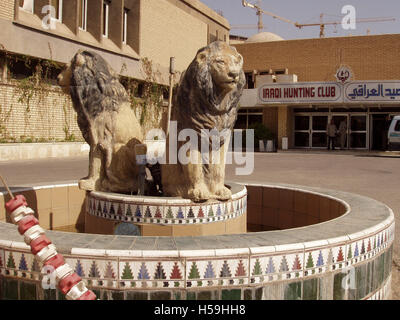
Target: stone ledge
{"type": "Point", "coordinates": [286, 264]}
{"type": "Point", "coordinates": [363, 214]}
{"type": "Point", "coordinates": [30, 151]}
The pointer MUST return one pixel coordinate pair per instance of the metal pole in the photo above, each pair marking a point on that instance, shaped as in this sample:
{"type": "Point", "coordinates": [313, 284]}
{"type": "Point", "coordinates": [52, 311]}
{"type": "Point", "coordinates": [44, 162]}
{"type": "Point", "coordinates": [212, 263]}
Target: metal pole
{"type": "Point", "coordinates": [171, 86]}
{"type": "Point", "coordinates": [8, 189]}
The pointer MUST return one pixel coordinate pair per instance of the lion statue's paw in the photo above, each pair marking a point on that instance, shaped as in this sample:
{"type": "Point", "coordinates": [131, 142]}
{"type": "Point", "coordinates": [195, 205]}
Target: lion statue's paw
{"type": "Point", "coordinates": [200, 193]}
{"type": "Point", "coordinates": [87, 184]}
{"type": "Point", "coordinates": [223, 194]}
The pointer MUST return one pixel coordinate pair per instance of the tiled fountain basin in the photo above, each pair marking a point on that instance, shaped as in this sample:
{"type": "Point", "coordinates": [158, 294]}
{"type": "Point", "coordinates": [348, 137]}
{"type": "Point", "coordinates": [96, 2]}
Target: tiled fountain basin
{"type": "Point", "coordinates": [166, 216]}
{"type": "Point", "coordinates": [309, 262]}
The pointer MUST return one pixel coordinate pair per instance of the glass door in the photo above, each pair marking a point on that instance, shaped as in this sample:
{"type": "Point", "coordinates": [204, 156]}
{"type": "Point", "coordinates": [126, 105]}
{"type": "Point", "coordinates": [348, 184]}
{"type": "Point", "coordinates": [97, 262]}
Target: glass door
{"type": "Point", "coordinates": [342, 124]}
{"type": "Point", "coordinates": [302, 131]}
{"type": "Point", "coordinates": [310, 131]}
{"type": "Point", "coordinates": [318, 131]}
{"type": "Point", "coordinates": [358, 131]}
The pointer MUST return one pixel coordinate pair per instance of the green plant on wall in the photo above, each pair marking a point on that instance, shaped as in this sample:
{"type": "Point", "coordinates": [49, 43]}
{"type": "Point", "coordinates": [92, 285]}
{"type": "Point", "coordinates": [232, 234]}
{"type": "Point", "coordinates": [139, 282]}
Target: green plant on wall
{"type": "Point", "coordinates": [34, 90]}
{"type": "Point", "coordinates": [146, 97]}
{"type": "Point", "coordinates": [4, 117]}
{"type": "Point", "coordinates": [33, 87]}
{"type": "Point", "coordinates": [69, 136]}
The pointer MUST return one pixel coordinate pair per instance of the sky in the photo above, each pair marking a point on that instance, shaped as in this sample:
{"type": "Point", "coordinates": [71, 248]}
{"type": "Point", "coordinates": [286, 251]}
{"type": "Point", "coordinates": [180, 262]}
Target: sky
{"type": "Point", "coordinates": [309, 11]}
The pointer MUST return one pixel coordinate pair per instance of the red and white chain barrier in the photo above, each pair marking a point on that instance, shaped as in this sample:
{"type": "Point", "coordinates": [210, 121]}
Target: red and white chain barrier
{"type": "Point", "coordinates": [68, 281]}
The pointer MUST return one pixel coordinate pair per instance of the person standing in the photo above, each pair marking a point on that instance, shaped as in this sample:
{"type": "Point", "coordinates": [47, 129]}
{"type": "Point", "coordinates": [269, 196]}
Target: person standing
{"type": "Point", "coordinates": [331, 131]}
{"type": "Point", "coordinates": [343, 133]}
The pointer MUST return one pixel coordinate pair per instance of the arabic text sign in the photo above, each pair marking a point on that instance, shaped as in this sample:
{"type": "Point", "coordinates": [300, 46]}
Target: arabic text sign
{"type": "Point", "coordinates": [384, 91]}
{"type": "Point", "coordinates": [307, 92]}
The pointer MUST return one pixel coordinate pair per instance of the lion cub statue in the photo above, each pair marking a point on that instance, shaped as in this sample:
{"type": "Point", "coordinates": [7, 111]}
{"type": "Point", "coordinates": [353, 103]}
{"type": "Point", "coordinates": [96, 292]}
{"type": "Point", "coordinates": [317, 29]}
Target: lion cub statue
{"type": "Point", "coordinates": [206, 99]}
{"type": "Point", "coordinates": [107, 122]}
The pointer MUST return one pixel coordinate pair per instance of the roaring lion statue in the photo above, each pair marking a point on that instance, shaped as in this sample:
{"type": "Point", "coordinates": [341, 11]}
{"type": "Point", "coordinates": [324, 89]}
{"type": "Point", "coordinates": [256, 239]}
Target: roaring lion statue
{"type": "Point", "coordinates": [107, 122]}
{"type": "Point", "coordinates": [206, 99]}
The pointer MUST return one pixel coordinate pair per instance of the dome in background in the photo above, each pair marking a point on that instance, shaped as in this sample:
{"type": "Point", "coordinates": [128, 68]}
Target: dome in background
{"type": "Point", "coordinates": [264, 37]}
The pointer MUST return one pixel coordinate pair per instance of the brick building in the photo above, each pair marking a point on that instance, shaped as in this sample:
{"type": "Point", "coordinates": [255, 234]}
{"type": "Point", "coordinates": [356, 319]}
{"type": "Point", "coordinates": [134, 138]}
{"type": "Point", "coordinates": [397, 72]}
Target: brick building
{"type": "Point", "coordinates": [296, 87]}
{"type": "Point", "coordinates": [124, 32]}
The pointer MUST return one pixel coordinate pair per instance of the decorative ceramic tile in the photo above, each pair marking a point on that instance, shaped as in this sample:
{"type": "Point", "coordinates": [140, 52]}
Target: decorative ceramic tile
{"type": "Point", "coordinates": [336, 258]}
{"type": "Point", "coordinates": [210, 272]}
{"type": "Point", "coordinates": [151, 273]}
{"type": "Point", "coordinates": [357, 250]}
{"type": "Point", "coordinates": [316, 261]}
{"type": "Point", "coordinates": [262, 269]}
{"type": "Point", "coordinates": [166, 211]}
{"type": "Point", "coordinates": [280, 266]}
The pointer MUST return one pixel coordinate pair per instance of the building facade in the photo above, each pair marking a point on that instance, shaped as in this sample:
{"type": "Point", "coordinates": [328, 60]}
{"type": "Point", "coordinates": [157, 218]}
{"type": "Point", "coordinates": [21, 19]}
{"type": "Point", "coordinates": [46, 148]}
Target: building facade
{"type": "Point", "coordinates": [40, 36]}
{"type": "Point", "coordinates": [297, 87]}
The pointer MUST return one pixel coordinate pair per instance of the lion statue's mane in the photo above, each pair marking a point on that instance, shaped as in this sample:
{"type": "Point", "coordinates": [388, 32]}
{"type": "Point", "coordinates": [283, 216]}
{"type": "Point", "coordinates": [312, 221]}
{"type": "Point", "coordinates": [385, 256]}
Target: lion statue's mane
{"type": "Point", "coordinates": [106, 120]}
{"type": "Point", "coordinates": [95, 88]}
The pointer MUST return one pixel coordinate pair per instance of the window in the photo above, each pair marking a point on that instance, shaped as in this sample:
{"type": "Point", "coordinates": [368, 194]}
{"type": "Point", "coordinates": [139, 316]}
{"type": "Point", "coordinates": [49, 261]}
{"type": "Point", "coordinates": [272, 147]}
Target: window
{"type": "Point", "coordinates": [282, 71]}
{"type": "Point", "coordinates": [106, 8]}
{"type": "Point", "coordinates": [249, 80]}
{"type": "Point", "coordinates": [212, 38]}
{"type": "Point", "coordinates": [397, 127]}
{"type": "Point", "coordinates": [248, 117]}
{"type": "Point", "coordinates": [125, 30]}
{"type": "Point", "coordinates": [26, 5]}
{"type": "Point", "coordinates": [83, 14]}
{"type": "Point", "coordinates": [20, 69]}
{"type": "Point", "coordinates": [57, 4]}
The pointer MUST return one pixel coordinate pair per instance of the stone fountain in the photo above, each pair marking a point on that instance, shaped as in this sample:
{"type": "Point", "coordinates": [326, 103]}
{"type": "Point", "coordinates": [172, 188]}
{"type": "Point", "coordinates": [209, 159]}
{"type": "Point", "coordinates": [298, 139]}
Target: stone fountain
{"type": "Point", "coordinates": [191, 242]}
{"type": "Point", "coordinates": [196, 200]}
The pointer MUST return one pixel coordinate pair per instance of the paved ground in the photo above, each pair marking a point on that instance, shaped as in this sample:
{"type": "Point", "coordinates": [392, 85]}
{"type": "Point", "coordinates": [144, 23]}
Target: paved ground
{"type": "Point", "coordinates": [376, 175]}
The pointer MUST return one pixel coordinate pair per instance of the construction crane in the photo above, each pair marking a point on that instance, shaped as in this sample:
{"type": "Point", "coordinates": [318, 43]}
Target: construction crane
{"type": "Point", "coordinates": [321, 24]}
{"type": "Point", "coordinates": [260, 12]}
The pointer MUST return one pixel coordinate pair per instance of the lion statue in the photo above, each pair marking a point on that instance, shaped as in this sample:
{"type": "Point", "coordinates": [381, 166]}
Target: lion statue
{"type": "Point", "coordinates": [206, 99]}
{"type": "Point", "coordinates": [107, 122]}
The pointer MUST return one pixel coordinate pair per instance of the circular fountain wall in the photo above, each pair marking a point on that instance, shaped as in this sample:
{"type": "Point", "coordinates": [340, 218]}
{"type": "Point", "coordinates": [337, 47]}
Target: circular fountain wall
{"type": "Point", "coordinates": [110, 213]}
{"type": "Point", "coordinates": [320, 240]}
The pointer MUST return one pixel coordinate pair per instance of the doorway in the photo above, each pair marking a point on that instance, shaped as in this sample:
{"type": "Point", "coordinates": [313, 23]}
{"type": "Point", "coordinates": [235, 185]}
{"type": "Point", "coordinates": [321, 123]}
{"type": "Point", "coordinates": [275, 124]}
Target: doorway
{"type": "Point", "coordinates": [380, 126]}
{"type": "Point", "coordinates": [342, 124]}
{"type": "Point", "coordinates": [310, 131]}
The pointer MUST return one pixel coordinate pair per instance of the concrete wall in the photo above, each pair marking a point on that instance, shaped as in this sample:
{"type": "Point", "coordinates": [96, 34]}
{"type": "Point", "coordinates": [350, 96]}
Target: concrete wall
{"type": "Point", "coordinates": [214, 21]}
{"type": "Point", "coordinates": [156, 30]}
{"type": "Point", "coordinates": [167, 31]}
{"type": "Point", "coordinates": [16, 38]}
{"type": "Point", "coordinates": [46, 115]}
{"type": "Point", "coordinates": [30, 151]}
{"type": "Point", "coordinates": [7, 9]}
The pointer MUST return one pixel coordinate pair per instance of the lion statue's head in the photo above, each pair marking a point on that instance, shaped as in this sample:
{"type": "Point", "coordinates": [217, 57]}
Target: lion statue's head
{"type": "Point", "coordinates": [211, 87]}
{"type": "Point", "coordinates": [94, 87]}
